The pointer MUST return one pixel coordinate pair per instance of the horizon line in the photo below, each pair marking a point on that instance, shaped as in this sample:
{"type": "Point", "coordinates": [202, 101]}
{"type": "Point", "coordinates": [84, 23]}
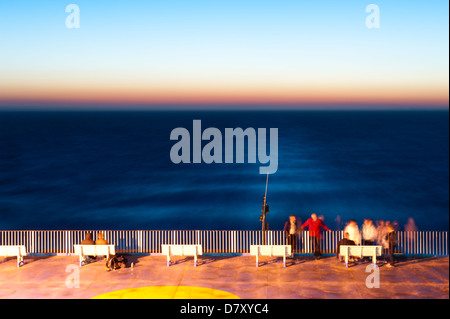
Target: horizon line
{"type": "Point", "coordinates": [224, 107]}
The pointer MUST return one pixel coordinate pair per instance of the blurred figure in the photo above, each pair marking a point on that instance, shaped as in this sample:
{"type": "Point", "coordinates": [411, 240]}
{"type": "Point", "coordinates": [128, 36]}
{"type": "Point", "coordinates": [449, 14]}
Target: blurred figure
{"type": "Point", "coordinates": [314, 224]}
{"type": "Point", "coordinates": [410, 229]}
{"type": "Point", "coordinates": [391, 239]}
{"type": "Point", "coordinates": [339, 223]}
{"type": "Point", "coordinates": [369, 232]}
{"type": "Point", "coordinates": [344, 242]}
{"type": "Point", "coordinates": [353, 230]}
{"type": "Point", "coordinates": [411, 225]}
{"type": "Point", "coordinates": [291, 230]}
{"type": "Point", "coordinates": [387, 224]}
{"type": "Point", "coordinates": [396, 225]}
{"type": "Point", "coordinates": [380, 232]}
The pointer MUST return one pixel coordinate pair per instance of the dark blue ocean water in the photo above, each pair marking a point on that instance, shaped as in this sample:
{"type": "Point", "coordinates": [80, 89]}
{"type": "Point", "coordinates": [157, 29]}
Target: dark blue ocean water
{"type": "Point", "coordinates": [112, 170]}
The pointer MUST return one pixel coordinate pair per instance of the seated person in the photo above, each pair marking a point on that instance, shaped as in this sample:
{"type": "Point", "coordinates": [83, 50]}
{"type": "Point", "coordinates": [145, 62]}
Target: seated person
{"type": "Point", "coordinates": [101, 240]}
{"type": "Point", "coordinates": [346, 242]}
{"type": "Point", "coordinates": [88, 241]}
{"type": "Point", "coordinates": [353, 231]}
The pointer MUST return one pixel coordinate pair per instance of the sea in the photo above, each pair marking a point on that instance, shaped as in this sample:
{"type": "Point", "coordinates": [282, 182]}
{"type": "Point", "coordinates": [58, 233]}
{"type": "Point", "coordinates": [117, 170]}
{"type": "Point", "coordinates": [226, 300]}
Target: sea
{"type": "Point", "coordinates": [100, 170]}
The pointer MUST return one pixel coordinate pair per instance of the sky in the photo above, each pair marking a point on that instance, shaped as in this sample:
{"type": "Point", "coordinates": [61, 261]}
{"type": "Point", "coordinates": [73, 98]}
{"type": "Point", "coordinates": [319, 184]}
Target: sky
{"type": "Point", "coordinates": [298, 54]}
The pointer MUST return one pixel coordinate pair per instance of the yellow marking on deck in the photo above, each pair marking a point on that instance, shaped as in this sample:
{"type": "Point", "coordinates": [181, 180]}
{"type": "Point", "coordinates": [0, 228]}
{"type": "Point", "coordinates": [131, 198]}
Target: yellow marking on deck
{"type": "Point", "coordinates": [167, 292]}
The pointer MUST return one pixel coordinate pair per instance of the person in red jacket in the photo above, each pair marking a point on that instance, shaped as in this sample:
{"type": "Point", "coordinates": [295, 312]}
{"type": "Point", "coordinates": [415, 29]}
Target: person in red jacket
{"type": "Point", "coordinates": [314, 224]}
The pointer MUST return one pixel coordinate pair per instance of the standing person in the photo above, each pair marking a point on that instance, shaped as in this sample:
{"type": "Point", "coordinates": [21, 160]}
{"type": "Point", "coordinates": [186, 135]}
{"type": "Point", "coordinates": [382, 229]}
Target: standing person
{"type": "Point", "coordinates": [339, 223]}
{"type": "Point", "coordinates": [369, 232]}
{"type": "Point", "coordinates": [411, 225]}
{"type": "Point", "coordinates": [391, 239]}
{"type": "Point", "coordinates": [381, 231]}
{"type": "Point", "coordinates": [410, 230]}
{"type": "Point", "coordinates": [353, 230]}
{"type": "Point", "coordinates": [314, 224]}
{"type": "Point", "coordinates": [291, 229]}
{"type": "Point", "coordinates": [383, 236]}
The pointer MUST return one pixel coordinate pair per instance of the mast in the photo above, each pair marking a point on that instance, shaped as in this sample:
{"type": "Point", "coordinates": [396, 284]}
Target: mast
{"type": "Point", "coordinates": [265, 210]}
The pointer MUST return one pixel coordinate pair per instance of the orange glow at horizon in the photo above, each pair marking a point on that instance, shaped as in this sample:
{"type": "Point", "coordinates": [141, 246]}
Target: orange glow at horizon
{"type": "Point", "coordinates": [203, 95]}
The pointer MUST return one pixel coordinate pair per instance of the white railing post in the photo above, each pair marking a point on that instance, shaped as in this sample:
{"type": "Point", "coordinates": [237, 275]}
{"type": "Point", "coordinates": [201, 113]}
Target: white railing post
{"type": "Point", "coordinates": [197, 233]}
{"type": "Point", "coordinates": [140, 241]}
{"type": "Point", "coordinates": [67, 233]}
{"type": "Point", "coordinates": [33, 244]}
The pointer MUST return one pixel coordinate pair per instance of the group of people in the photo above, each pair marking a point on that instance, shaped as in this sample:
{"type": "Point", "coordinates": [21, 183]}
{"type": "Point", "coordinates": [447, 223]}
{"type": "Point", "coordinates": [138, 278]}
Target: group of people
{"type": "Point", "coordinates": [89, 241]}
{"type": "Point", "coordinates": [381, 234]}
{"type": "Point", "coordinates": [293, 226]}
{"type": "Point", "coordinates": [114, 261]}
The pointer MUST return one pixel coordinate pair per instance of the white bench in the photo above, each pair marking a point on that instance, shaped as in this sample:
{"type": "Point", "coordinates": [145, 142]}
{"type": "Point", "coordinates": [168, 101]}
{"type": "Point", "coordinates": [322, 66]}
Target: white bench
{"type": "Point", "coordinates": [13, 251]}
{"type": "Point", "coordinates": [182, 250]}
{"type": "Point", "coordinates": [93, 250]}
{"type": "Point", "coordinates": [271, 251]}
{"type": "Point", "coordinates": [360, 251]}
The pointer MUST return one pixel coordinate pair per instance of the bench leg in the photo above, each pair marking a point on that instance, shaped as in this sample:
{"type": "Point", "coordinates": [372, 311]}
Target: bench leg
{"type": "Point", "coordinates": [19, 261]}
{"type": "Point", "coordinates": [195, 260]}
{"type": "Point", "coordinates": [168, 260]}
{"type": "Point", "coordinates": [82, 257]}
{"type": "Point", "coordinates": [346, 257]}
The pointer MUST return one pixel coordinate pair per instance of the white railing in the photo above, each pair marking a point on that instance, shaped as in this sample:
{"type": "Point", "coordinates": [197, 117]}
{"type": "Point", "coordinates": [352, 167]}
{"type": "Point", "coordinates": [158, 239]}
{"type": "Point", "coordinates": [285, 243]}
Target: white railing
{"type": "Point", "coordinates": [44, 242]}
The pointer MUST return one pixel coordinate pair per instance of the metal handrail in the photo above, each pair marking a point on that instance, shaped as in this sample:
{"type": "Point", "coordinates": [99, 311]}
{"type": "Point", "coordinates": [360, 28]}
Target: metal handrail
{"type": "Point", "coordinates": [44, 242]}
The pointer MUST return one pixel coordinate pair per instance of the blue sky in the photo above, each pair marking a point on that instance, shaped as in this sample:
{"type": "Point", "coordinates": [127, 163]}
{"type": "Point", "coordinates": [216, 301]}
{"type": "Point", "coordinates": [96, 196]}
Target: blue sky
{"type": "Point", "coordinates": [268, 48]}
